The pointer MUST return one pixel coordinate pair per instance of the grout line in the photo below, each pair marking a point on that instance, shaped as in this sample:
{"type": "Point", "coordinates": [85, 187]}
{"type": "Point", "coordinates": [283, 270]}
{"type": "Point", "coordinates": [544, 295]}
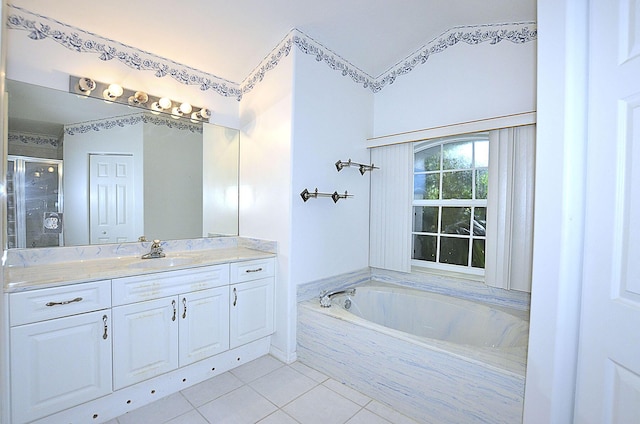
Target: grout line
{"type": "Point", "coordinates": [315, 385]}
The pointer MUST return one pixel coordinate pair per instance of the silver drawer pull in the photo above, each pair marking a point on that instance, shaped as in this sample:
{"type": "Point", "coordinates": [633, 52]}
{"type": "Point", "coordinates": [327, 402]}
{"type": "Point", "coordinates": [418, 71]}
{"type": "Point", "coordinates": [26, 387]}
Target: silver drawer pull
{"type": "Point", "coordinates": [254, 270]}
{"type": "Point", "coordinates": [65, 302]}
{"type": "Point", "coordinates": [104, 320]}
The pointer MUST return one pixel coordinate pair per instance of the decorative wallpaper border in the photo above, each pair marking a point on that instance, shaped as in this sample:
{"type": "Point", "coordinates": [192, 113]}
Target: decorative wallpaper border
{"type": "Point", "coordinates": [41, 27]}
{"type": "Point", "coordinates": [15, 137]}
{"type": "Point", "coordinates": [129, 120]}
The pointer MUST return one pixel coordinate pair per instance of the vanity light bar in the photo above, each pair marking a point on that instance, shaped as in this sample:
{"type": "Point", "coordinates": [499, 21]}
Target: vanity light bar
{"type": "Point", "coordinates": [115, 93]}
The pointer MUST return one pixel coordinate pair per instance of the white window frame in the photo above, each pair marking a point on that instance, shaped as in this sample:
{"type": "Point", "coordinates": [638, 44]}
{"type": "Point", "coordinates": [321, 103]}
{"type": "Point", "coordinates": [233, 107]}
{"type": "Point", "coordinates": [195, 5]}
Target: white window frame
{"type": "Point", "coordinates": [440, 203]}
{"type": "Point", "coordinates": [509, 231]}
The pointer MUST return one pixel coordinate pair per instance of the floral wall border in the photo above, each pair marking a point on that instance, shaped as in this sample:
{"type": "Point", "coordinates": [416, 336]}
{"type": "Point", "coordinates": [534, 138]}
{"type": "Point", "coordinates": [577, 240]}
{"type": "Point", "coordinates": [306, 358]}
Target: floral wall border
{"type": "Point", "coordinates": [41, 27]}
{"type": "Point", "coordinates": [15, 137]}
{"type": "Point", "coordinates": [129, 120]}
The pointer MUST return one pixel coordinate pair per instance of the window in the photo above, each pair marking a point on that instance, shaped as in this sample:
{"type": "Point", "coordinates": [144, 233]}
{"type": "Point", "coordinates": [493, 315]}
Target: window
{"type": "Point", "coordinates": [450, 184]}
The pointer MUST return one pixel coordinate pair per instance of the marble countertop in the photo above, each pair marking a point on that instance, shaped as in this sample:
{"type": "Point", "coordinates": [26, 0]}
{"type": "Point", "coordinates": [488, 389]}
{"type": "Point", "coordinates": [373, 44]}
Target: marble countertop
{"type": "Point", "coordinates": [20, 278]}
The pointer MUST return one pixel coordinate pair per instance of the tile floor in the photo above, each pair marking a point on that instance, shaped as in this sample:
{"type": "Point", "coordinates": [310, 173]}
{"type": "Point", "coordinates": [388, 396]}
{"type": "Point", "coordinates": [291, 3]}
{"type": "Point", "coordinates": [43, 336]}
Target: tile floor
{"type": "Point", "coordinates": [266, 391]}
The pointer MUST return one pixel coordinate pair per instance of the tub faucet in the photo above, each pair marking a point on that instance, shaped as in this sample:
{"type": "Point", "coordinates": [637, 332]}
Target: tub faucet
{"type": "Point", "coordinates": [156, 251]}
{"type": "Point", "coordinates": [325, 296]}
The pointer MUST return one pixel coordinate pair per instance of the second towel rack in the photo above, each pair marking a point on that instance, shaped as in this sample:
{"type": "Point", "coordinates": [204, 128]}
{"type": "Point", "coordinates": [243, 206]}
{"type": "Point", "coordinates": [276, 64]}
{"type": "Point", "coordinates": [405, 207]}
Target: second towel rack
{"type": "Point", "coordinates": [306, 195]}
{"type": "Point", "coordinates": [362, 166]}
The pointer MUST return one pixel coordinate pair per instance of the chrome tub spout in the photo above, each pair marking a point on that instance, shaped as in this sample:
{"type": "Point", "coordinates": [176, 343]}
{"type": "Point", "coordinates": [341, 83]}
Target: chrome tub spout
{"type": "Point", "coordinates": [325, 296]}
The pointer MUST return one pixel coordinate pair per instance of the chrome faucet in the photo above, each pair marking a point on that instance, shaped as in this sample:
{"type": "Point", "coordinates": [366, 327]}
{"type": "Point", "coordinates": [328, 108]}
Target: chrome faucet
{"type": "Point", "coordinates": [156, 251]}
{"type": "Point", "coordinates": [325, 296]}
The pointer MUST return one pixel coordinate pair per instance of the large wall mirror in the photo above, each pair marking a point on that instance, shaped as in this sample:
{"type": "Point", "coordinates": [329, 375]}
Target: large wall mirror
{"type": "Point", "coordinates": [83, 171]}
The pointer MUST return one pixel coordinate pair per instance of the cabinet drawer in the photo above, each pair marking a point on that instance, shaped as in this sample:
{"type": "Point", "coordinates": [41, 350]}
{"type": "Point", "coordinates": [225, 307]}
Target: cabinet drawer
{"type": "Point", "coordinates": [168, 283]}
{"type": "Point", "coordinates": [252, 270]}
{"type": "Point", "coordinates": [39, 305]}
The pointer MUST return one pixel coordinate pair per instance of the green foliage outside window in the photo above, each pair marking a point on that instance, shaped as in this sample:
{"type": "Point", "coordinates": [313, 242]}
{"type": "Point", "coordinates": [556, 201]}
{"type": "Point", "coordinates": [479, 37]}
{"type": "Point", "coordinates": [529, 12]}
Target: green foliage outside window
{"type": "Point", "coordinates": [450, 191]}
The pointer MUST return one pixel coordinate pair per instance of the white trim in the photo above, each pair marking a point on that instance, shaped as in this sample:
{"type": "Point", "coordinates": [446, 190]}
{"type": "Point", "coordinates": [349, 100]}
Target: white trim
{"type": "Point", "coordinates": [390, 212]}
{"type": "Point", "coordinates": [439, 268]}
{"type": "Point", "coordinates": [510, 208]}
{"type": "Point", "coordinates": [515, 120]}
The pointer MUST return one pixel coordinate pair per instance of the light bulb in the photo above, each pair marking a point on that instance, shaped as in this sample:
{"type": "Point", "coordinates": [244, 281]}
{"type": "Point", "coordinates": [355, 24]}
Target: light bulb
{"type": "Point", "coordinates": [165, 103]}
{"type": "Point", "coordinates": [205, 113]}
{"type": "Point", "coordinates": [176, 113]}
{"type": "Point", "coordinates": [185, 108]}
{"type": "Point", "coordinates": [116, 90]}
{"type": "Point", "coordinates": [86, 85]}
{"type": "Point", "coordinates": [139, 98]}
{"type": "Point", "coordinates": [113, 92]}
{"type": "Point", "coordinates": [155, 108]}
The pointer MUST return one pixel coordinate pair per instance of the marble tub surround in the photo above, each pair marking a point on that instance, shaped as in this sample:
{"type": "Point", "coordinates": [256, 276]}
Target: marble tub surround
{"type": "Point", "coordinates": [25, 269]}
{"type": "Point", "coordinates": [449, 285]}
{"type": "Point", "coordinates": [433, 381]}
{"type": "Point", "coordinates": [456, 286]}
{"type": "Point", "coordinates": [426, 383]}
{"type": "Point", "coordinates": [312, 290]}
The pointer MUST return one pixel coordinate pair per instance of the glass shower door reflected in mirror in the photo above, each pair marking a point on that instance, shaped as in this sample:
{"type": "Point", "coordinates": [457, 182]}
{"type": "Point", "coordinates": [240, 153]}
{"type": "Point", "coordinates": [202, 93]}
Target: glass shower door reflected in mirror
{"type": "Point", "coordinates": [36, 215]}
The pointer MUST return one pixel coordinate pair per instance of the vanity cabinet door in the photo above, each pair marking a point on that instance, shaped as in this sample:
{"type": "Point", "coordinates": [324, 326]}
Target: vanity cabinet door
{"type": "Point", "coordinates": [251, 311]}
{"type": "Point", "coordinates": [204, 324]}
{"type": "Point", "coordinates": [59, 363]}
{"type": "Point", "coordinates": [145, 340]}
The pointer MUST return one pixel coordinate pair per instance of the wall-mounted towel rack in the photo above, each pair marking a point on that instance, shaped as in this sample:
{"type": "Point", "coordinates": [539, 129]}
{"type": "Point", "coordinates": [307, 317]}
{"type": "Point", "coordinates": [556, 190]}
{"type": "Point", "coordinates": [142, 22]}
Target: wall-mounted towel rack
{"type": "Point", "coordinates": [363, 167]}
{"type": "Point", "coordinates": [306, 195]}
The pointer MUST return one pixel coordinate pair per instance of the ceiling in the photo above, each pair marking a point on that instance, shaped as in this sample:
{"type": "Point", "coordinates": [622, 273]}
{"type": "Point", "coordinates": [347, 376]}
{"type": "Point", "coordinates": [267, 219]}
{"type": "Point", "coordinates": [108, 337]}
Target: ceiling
{"type": "Point", "coordinates": [230, 38]}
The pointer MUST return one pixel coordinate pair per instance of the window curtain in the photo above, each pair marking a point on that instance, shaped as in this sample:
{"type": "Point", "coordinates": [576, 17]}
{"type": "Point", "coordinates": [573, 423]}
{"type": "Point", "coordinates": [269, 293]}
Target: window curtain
{"type": "Point", "coordinates": [391, 196]}
{"type": "Point", "coordinates": [509, 230]}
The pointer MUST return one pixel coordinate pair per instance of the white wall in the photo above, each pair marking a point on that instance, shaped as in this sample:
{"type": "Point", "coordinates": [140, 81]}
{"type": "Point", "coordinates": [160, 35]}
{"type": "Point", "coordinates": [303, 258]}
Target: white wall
{"type": "Point", "coordinates": [220, 180]}
{"type": "Point", "coordinates": [331, 121]}
{"type": "Point", "coordinates": [265, 186]}
{"type": "Point", "coordinates": [75, 176]}
{"type": "Point", "coordinates": [172, 183]}
{"type": "Point", "coordinates": [296, 124]}
{"type": "Point", "coordinates": [559, 213]}
{"type": "Point", "coordinates": [463, 83]}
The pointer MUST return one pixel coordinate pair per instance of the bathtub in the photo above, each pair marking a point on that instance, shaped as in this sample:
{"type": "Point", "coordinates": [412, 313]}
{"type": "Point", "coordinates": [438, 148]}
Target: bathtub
{"type": "Point", "coordinates": [436, 358]}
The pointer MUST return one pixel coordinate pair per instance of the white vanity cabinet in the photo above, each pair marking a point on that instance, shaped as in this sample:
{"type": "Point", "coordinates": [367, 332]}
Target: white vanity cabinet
{"type": "Point", "coordinates": [60, 348]}
{"type": "Point", "coordinates": [152, 337]}
{"type": "Point", "coordinates": [251, 299]}
{"type": "Point", "coordinates": [203, 325]}
{"type": "Point", "coordinates": [90, 351]}
{"type": "Point", "coordinates": [145, 340]}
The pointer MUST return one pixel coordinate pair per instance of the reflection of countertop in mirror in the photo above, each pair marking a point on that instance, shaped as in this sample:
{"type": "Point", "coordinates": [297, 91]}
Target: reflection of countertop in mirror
{"type": "Point", "coordinates": [19, 278]}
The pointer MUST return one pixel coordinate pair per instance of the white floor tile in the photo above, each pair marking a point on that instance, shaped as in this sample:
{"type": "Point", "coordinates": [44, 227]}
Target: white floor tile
{"type": "Point", "coordinates": [257, 368]}
{"type": "Point", "coordinates": [242, 406]}
{"type": "Point", "coordinates": [389, 413]}
{"type": "Point", "coordinates": [159, 411]}
{"type": "Point", "coordinates": [348, 392]}
{"type": "Point", "coordinates": [367, 417]}
{"type": "Point", "coordinates": [278, 417]}
{"type": "Point", "coordinates": [283, 385]}
{"type": "Point", "coordinates": [249, 394]}
{"type": "Point", "coordinates": [321, 406]}
{"type": "Point", "coordinates": [192, 417]}
{"type": "Point", "coordinates": [212, 389]}
{"type": "Point", "coordinates": [308, 371]}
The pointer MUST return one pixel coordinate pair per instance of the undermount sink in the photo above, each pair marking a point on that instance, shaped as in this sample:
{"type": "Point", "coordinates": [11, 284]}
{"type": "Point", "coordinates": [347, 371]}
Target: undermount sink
{"type": "Point", "coordinates": [166, 262]}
